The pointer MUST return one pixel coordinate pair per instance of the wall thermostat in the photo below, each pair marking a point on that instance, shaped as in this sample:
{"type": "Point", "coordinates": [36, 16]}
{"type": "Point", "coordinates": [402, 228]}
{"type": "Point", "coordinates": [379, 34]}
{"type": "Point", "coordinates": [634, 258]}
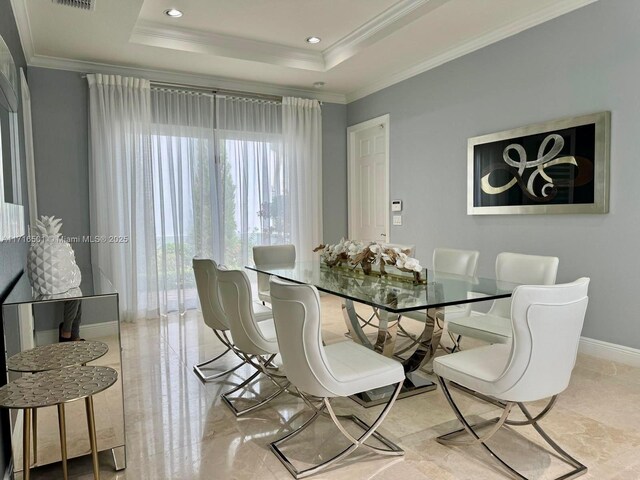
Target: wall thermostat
{"type": "Point", "coordinates": [396, 206]}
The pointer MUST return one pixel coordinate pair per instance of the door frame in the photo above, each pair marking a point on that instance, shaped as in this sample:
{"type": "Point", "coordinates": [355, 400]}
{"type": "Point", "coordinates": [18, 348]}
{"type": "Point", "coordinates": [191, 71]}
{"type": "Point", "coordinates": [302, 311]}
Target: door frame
{"type": "Point", "coordinates": [351, 154]}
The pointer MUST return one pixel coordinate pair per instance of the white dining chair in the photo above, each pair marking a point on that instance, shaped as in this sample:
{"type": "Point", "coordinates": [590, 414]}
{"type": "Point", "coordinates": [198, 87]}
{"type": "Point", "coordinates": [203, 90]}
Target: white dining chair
{"type": "Point", "coordinates": [495, 325]}
{"type": "Point", "coordinates": [456, 262]}
{"type": "Point", "coordinates": [321, 373]}
{"type": "Point", "coordinates": [254, 341]}
{"type": "Point", "coordinates": [283, 256]}
{"type": "Point", "coordinates": [206, 271]}
{"type": "Point", "coordinates": [546, 322]}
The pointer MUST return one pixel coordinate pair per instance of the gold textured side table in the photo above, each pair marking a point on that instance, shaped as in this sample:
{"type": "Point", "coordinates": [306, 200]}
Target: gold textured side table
{"type": "Point", "coordinates": [56, 355]}
{"type": "Point", "coordinates": [50, 357]}
{"type": "Point", "coordinates": [55, 388]}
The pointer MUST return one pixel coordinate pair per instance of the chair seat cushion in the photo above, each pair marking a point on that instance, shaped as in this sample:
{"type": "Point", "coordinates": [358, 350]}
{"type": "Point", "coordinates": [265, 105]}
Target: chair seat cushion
{"type": "Point", "coordinates": [489, 328]}
{"type": "Point", "coordinates": [357, 369]}
{"type": "Point", "coordinates": [261, 312]}
{"type": "Point", "coordinates": [268, 330]}
{"type": "Point", "coordinates": [476, 368]}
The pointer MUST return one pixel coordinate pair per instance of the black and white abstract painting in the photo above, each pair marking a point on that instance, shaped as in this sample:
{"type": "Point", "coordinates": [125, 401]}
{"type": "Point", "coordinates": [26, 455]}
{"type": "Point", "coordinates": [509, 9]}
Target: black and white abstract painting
{"type": "Point", "coordinates": [556, 167]}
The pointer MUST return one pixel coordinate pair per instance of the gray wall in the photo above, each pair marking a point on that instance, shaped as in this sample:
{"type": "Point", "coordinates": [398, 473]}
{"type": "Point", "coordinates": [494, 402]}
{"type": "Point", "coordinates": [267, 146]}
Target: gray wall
{"type": "Point", "coordinates": [60, 142]}
{"type": "Point", "coordinates": [12, 255]}
{"type": "Point", "coordinates": [583, 62]}
{"type": "Point", "coordinates": [334, 171]}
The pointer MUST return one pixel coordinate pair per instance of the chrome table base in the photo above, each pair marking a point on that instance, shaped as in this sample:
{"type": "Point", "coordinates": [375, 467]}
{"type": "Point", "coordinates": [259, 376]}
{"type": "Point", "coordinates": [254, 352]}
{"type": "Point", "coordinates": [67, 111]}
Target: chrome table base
{"type": "Point", "coordinates": [414, 384]}
{"type": "Point", "coordinates": [388, 323]}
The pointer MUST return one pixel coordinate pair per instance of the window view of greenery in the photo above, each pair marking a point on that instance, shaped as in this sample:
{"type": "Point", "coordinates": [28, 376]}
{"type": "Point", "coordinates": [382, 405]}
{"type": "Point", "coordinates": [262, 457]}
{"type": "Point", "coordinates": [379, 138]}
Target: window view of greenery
{"type": "Point", "coordinates": [213, 209]}
{"type": "Point", "coordinates": [254, 198]}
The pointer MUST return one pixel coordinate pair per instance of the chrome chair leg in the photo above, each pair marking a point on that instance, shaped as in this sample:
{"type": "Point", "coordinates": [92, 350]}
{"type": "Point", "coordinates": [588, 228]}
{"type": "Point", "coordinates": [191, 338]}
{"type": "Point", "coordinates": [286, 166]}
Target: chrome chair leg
{"type": "Point", "coordinates": [449, 438]}
{"type": "Point", "coordinates": [579, 468]}
{"type": "Point", "coordinates": [261, 369]}
{"type": "Point", "coordinates": [200, 368]}
{"type": "Point", "coordinates": [369, 430]}
{"type": "Point", "coordinates": [499, 404]}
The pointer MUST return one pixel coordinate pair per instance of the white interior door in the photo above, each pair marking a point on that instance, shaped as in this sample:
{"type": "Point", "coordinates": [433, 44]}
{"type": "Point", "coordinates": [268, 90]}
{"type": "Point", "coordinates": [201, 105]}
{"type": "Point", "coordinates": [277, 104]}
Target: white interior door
{"type": "Point", "coordinates": [369, 180]}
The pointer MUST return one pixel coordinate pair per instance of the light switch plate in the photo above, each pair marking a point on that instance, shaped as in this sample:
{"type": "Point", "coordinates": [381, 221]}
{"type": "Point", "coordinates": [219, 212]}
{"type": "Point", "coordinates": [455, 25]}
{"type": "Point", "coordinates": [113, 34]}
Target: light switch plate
{"type": "Point", "coordinates": [396, 206]}
{"type": "Point", "coordinates": [397, 219]}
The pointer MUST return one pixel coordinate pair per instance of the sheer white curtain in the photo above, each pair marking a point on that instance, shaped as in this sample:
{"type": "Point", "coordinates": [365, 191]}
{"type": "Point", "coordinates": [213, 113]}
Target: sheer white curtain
{"type": "Point", "coordinates": [187, 203]}
{"type": "Point", "coordinates": [302, 137]}
{"type": "Point", "coordinates": [182, 174]}
{"type": "Point", "coordinates": [254, 178]}
{"type": "Point", "coordinates": [121, 193]}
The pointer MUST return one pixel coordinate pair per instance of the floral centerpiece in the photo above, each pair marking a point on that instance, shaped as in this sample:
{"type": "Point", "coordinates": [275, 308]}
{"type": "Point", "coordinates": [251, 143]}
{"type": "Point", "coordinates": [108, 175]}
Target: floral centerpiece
{"type": "Point", "coordinates": [372, 258]}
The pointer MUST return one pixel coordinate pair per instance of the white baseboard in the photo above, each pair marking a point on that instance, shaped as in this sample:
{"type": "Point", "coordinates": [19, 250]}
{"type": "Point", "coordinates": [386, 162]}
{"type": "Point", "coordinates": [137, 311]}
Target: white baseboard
{"type": "Point", "coordinates": [94, 330]}
{"type": "Point", "coordinates": [609, 351]}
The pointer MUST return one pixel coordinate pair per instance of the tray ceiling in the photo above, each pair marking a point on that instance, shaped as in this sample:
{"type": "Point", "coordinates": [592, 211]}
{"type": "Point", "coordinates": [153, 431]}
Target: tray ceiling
{"type": "Point", "coordinates": [260, 45]}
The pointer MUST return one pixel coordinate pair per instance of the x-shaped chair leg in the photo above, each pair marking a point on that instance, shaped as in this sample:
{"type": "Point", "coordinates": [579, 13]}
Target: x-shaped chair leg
{"type": "Point", "coordinates": [369, 430]}
{"type": "Point", "coordinates": [200, 368]}
{"type": "Point", "coordinates": [261, 369]}
{"type": "Point", "coordinates": [450, 438]}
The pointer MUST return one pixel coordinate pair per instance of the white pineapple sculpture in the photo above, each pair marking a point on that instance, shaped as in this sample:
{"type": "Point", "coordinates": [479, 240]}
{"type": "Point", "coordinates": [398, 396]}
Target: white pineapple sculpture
{"type": "Point", "coordinates": [51, 264]}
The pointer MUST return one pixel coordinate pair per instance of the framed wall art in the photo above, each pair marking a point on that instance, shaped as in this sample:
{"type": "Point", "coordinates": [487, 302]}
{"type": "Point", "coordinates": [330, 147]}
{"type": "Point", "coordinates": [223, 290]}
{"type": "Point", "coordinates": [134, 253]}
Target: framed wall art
{"type": "Point", "coordinates": [560, 166]}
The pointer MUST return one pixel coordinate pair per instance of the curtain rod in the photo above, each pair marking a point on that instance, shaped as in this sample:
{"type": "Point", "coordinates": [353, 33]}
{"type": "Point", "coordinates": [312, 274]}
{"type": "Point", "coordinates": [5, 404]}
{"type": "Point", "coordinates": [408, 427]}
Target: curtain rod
{"type": "Point", "coordinates": [219, 91]}
{"type": "Point", "coordinates": [239, 93]}
{"type": "Point", "coordinates": [213, 90]}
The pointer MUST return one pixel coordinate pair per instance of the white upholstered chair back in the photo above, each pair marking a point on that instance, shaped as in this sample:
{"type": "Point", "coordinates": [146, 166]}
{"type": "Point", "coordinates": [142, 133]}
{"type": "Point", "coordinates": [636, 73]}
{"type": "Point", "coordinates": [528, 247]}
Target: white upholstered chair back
{"type": "Point", "coordinates": [273, 255]}
{"type": "Point", "coordinates": [523, 269]}
{"type": "Point", "coordinates": [237, 303]}
{"type": "Point", "coordinates": [297, 317]}
{"type": "Point", "coordinates": [547, 321]}
{"type": "Point", "coordinates": [458, 262]}
{"type": "Point", "coordinates": [206, 273]}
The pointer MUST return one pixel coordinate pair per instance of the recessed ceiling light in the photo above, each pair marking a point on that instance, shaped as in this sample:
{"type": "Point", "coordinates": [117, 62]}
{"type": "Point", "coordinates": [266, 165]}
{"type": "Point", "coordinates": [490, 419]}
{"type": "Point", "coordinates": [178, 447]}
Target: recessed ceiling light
{"type": "Point", "coordinates": [173, 13]}
{"type": "Point", "coordinates": [318, 84]}
{"type": "Point", "coordinates": [314, 39]}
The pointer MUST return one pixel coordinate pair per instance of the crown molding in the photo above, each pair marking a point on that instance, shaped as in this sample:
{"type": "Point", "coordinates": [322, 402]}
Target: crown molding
{"type": "Point", "coordinates": [176, 38]}
{"type": "Point", "coordinates": [205, 81]}
{"type": "Point", "coordinates": [481, 41]}
{"type": "Point", "coordinates": [21, 16]}
{"type": "Point", "coordinates": [388, 22]}
{"type": "Point", "coordinates": [372, 31]}
{"type": "Point", "coordinates": [158, 34]}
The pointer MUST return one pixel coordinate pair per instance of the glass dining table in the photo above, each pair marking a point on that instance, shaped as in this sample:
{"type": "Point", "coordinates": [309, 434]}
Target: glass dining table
{"type": "Point", "coordinates": [389, 299]}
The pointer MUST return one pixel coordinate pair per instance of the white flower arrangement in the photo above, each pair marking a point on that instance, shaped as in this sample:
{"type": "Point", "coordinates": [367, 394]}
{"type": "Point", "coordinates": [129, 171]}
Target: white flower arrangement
{"type": "Point", "coordinates": [353, 254]}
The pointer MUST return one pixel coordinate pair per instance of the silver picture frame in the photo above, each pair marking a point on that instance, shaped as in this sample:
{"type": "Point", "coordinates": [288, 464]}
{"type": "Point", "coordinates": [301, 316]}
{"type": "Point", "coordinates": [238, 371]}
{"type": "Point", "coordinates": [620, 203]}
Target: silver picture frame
{"type": "Point", "coordinates": [484, 198]}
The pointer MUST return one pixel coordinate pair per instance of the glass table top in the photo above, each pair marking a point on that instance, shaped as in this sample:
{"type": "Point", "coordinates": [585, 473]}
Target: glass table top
{"type": "Point", "coordinates": [441, 289]}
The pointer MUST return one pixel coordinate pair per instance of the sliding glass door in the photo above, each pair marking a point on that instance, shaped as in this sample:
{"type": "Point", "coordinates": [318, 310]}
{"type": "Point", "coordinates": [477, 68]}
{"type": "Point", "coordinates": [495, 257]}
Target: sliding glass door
{"type": "Point", "coordinates": [219, 185]}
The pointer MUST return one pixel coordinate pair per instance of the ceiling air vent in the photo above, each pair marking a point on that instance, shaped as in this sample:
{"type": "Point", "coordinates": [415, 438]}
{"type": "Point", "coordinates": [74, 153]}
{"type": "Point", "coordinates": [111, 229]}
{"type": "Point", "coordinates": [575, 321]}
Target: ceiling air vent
{"type": "Point", "coordinates": [84, 4]}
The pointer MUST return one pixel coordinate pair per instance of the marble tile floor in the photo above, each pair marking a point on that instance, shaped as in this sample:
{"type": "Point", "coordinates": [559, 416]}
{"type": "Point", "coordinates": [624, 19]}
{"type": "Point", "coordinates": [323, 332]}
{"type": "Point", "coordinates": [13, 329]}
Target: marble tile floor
{"type": "Point", "coordinates": [177, 427]}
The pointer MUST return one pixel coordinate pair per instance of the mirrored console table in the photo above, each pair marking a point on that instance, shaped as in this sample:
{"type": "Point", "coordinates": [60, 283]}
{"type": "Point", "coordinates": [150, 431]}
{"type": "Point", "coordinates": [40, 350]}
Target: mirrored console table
{"type": "Point", "coordinates": [30, 320]}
